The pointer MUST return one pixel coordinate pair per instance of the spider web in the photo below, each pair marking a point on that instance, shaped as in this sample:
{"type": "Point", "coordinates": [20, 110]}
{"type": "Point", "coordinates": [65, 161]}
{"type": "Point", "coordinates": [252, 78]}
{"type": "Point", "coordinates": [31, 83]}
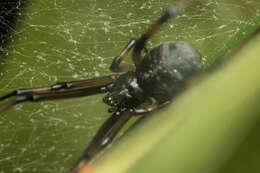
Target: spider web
{"type": "Point", "coordinates": [77, 39]}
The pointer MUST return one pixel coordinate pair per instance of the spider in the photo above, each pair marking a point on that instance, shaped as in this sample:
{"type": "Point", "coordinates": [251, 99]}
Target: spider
{"type": "Point", "coordinates": [151, 83]}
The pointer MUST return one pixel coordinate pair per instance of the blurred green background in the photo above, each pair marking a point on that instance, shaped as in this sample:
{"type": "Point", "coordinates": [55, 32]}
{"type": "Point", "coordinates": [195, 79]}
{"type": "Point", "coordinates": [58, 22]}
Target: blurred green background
{"type": "Point", "coordinates": [69, 40]}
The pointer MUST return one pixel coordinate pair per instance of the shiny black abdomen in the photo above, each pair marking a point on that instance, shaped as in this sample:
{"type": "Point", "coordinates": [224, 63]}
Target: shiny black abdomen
{"type": "Point", "coordinates": [165, 69]}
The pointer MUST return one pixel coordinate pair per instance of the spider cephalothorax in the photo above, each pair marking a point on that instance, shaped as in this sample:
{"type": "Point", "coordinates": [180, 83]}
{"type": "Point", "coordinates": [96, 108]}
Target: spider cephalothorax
{"type": "Point", "coordinates": [125, 92]}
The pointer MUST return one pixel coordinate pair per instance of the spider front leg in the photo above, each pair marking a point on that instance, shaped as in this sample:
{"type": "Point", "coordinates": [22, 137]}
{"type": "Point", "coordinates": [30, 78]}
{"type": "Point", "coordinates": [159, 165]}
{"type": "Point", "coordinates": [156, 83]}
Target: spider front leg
{"type": "Point", "coordinates": [104, 136]}
{"type": "Point", "coordinates": [109, 130]}
{"type": "Point", "coordinates": [59, 90]}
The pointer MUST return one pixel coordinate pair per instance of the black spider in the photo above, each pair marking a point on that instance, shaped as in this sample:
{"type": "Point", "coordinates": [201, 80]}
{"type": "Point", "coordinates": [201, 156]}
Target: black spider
{"type": "Point", "coordinates": [156, 79]}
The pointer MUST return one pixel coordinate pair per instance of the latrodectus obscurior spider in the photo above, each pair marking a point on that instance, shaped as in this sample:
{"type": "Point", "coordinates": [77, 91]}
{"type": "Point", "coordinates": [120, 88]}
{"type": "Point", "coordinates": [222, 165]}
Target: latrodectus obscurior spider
{"type": "Point", "coordinates": [159, 75]}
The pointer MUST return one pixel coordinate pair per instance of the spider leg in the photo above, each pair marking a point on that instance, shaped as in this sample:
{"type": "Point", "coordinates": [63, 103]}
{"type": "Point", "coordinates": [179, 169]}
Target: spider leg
{"type": "Point", "coordinates": [34, 97]}
{"type": "Point", "coordinates": [62, 85]}
{"type": "Point", "coordinates": [104, 136]}
{"type": "Point", "coordinates": [109, 130]}
{"type": "Point", "coordinates": [59, 90]}
{"type": "Point", "coordinates": [149, 108]}
{"type": "Point", "coordinates": [115, 66]}
{"type": "Point", "coordinates": [141, 42]}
